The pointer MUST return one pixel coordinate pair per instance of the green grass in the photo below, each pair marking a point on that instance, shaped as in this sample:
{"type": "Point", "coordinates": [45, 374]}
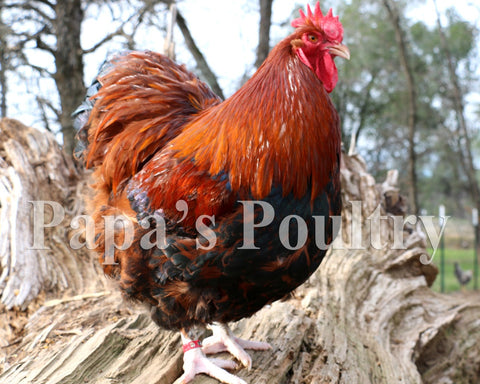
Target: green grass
{"type": "Point", "coordinates": [464, 257]}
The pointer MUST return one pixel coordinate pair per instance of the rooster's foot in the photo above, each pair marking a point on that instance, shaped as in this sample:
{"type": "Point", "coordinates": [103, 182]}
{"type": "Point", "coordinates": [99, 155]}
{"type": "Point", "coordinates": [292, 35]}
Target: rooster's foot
{"type": "Point", "coordinates": [223, 340]}
{"type": "Point", "coordinates": [195, 362]}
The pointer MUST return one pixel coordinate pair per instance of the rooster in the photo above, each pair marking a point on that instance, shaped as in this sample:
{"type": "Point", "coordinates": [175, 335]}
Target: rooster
{"type": "Point", "coordinates": [172, 158]}
{"type": "Point", "coordinates": [463, 277]}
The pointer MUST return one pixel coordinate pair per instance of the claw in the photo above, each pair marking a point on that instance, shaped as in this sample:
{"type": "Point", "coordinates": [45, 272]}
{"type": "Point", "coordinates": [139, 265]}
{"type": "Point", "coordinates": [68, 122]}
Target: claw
{"type": "Point", "coordinates": [223, 340]}
{"type": "Point", "coordinates": [195, 362]}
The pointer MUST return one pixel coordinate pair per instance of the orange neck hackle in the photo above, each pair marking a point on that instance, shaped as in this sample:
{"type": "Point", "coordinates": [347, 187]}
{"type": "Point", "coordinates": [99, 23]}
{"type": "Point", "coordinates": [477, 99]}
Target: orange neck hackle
{"type": "Point", "coordinates": [279, 129]}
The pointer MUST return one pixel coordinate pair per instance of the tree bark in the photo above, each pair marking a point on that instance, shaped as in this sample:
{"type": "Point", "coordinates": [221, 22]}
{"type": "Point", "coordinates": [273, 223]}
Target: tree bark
{"type": "Point", "coordinates": [412, 104]}
{"type": "Point", "coordinates": [263, 47]}
{"type": "Point", "coordinates": [366, 316]}
{"type": "Point", "coordinates": [4, 64]}
{"type": "Point", "coordinates": [35, 176]}
{"type": "Point", "coordinates": [69, 65]}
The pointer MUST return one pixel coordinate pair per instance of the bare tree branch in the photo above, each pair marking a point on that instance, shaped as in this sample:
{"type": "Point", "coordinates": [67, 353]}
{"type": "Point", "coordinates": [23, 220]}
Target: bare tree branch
{"type": "Point", "coordinates": [43, 113]}
{"type": "Point", "coordinates": [120, 30]}
{"type": "Point", "coordinates": [42, 45]}
{"type": "Point", "coordinates": [412, 102]}
{"type": "Point", "coordinates": [30, 7]}
{"type": "Point", "coordinates": [42, 71]}
{"type": "Point", "coordinates": [48, 3]}
{"type": "Point", "coordinates": [198, 55]}
{"type": "Point", "coordinates": [46, 102]}
{"type": "Point", "coordinates": [147, 9]}
{"type": "Point", "coordinates": [106, 39]}
{"type": "Point", "coordinates": [362, 114]}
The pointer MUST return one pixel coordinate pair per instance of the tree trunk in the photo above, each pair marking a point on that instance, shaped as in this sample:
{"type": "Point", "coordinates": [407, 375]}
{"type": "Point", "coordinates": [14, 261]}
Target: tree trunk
{"type": "Point", "coordinates": [366, 316]}
{"type": "Point", "coordinates": [465, 145]}
{"type": "Point", "coordinates": [412, 104]}
{"type": "Point", "coordinates": [35, 176]}
{"type": "Point", "coordinates": [3, 79]}
{"type": "Point", "coordinates": [4, 64]}
{"type": "Point", "coordinates": [69, 63]}
{"type": "Point", "coordinates": [362, 115]}
{"type": "Point", "coordinates": [263, 47]}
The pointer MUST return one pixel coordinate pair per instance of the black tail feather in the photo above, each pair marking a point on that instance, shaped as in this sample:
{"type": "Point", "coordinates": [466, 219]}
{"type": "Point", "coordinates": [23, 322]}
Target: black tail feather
{"type": "Point", "coordinates": [82, 114]}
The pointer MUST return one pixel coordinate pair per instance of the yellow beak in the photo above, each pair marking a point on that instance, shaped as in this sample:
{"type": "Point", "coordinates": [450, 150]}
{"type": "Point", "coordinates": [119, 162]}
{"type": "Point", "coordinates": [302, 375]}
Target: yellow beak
{"type": "Point", "coordinates": [340, 50]}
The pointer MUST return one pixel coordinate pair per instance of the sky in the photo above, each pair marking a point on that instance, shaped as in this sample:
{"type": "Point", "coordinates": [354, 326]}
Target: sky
{"type": "Point", "coordinates": [232, 52]}
{"type": "Point", "coordinates": [225, 31]}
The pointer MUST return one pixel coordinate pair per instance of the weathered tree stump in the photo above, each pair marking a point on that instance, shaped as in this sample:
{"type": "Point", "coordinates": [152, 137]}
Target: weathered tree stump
{"type": "Point", "coordinates": [366, 316]}
{"type": "Point", "coordinates": [34, 176]}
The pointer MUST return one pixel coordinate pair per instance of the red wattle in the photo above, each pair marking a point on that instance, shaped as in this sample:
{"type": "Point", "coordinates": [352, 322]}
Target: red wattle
{"type": "Point", "coordinates": [327, 71]}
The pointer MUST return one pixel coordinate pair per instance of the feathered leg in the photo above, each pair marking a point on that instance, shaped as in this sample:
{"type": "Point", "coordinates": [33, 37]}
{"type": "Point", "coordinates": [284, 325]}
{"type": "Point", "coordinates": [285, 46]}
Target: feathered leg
{"type": "Point", "coordinates": [223, 340]}
{"type": "Point", "coordinates": [195, 362]}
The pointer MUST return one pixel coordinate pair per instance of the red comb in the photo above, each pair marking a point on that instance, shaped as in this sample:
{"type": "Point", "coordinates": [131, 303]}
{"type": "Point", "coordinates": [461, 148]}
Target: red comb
{"type": "Point", "coordinates": [329, 24]}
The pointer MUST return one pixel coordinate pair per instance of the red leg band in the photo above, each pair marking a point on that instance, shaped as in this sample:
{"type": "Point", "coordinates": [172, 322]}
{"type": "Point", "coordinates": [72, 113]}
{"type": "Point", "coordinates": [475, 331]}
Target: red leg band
{"type": "Point", "coordinates": [192, 345]}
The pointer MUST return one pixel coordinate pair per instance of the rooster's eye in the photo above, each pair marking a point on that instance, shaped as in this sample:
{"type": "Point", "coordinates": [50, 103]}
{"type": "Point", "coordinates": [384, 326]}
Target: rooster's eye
{"type": "Point", "coordinates": [313, 38]}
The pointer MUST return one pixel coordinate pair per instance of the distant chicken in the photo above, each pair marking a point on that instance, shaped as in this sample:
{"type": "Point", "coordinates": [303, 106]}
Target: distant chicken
{"type": "Point", "coordinates": [463, 277]}
{"type": "Point", "coordinates": [229, 183]}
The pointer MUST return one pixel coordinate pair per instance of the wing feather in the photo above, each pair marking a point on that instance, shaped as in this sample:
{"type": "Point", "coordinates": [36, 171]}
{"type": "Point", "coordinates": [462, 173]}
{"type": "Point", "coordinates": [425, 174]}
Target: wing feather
{"type": "Point", "coordinates": [144, 101]}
